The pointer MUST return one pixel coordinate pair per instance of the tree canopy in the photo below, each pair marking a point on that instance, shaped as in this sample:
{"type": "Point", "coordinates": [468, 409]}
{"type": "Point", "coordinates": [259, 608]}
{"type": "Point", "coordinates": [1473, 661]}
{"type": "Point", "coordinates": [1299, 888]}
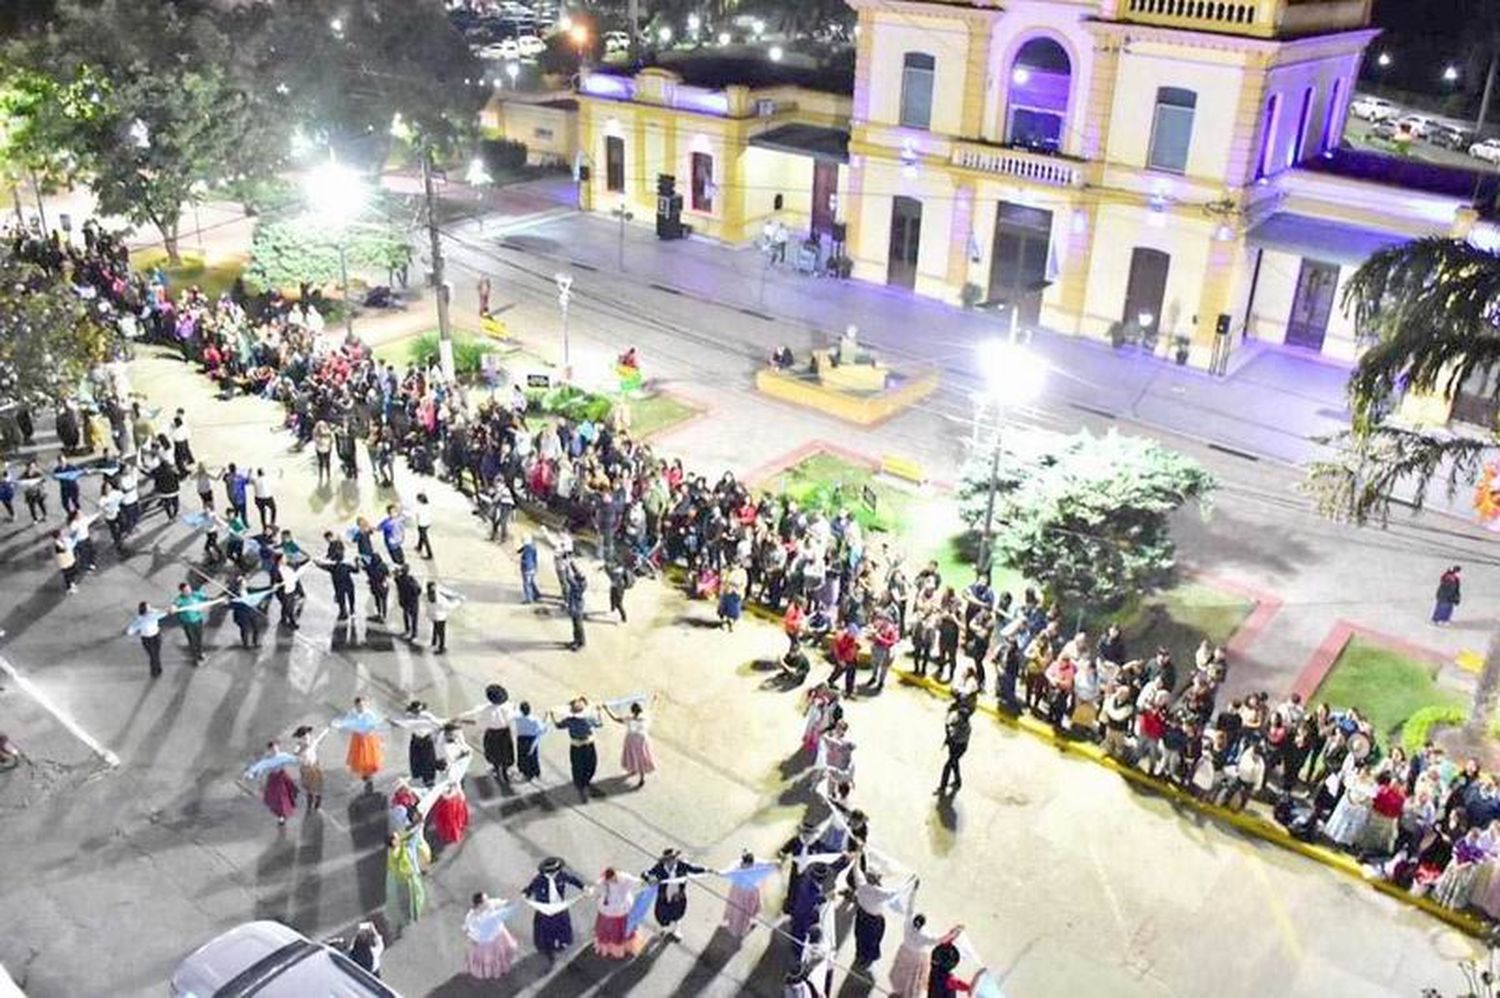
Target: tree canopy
{"type": "Point", "coordinates": [1429, 310]}
{"type": "Point", "coordinates": [1087, 517]}
{"type": "Point", "coordinates": [287, 251]}
{"type": "Point", "coordinates": [49, 337]}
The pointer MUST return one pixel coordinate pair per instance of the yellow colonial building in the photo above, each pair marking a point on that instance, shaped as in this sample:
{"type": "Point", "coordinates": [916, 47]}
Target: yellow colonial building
{"type": "Point", "coordinates": [1158, 171]}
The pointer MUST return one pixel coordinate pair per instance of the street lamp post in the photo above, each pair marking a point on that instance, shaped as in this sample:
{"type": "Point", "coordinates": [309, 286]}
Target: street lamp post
{"type": "Point", "coordinates": [1012, 375]}
{"type": "Point", "coordinates": [564, 295]}
{"type": "Point", "coordinates": [336, 195]}
{"type": "Point", "coordinates": [624, 215]}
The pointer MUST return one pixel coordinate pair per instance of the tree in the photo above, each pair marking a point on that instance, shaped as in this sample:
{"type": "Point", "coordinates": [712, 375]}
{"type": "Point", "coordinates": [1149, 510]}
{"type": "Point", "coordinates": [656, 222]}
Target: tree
{"type": "Point", "coordinates": [157, 119]}
{"type": "Point", "coordinates": [49, 337]}
{"type": "Point", "coordinates": [1085, 516]}
{"type": "Point", "coordinates": [285, 252]}
{"type": "Point", "coordinates": [1429, 310]}
{"type": "Point", "coordinates": [342, 71]}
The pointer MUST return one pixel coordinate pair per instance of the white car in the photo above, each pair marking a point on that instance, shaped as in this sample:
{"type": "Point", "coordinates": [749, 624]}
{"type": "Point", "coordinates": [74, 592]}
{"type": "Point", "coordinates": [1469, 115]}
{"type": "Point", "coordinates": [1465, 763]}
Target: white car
{"type": "Point", "coordinates": [506, 50]}
{"type": "Point", "coordinates": [1373, 108]}
{"type": "Point", "coordinates": [1488, 150]}
{"type": "Point", "coordinates": [616, 41]}
{"type": "Point", "coordinates": [1418, 125]}
{"type": "Point", "coordinates": [269, 960]}
{"type": "Point", "coordinates": [530, 46]}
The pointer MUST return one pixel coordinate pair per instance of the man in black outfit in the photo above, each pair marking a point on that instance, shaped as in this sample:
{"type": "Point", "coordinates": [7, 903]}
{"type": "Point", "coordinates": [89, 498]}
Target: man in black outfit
{"type": "Point", "coordinates": [409, 595]}
{"type": "Point", "coordinates": [956, 741]}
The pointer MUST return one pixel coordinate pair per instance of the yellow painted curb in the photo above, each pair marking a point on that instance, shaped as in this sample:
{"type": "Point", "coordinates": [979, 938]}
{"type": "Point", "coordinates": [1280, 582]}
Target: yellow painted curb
{"type": "Point", "coordinates": [1250, 824]}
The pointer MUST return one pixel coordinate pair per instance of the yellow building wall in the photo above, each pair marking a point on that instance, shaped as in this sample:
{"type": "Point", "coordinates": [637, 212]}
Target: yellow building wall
{"type": "Point", "coordinates": [943, 38]}
{"type": "Point", "coordinates": [1217, 85]}
{"type": "Point", "coordinates": [1119, 230]}
{"type": "Point", "coordinates": [768, 173]}
{"type": "Point", "coordinates": [1272, 307]}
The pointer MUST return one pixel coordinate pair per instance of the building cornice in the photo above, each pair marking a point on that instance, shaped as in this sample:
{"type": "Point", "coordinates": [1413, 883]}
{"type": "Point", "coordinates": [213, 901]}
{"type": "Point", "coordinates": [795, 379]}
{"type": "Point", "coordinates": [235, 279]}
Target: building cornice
{"type": "Point", "coordinates": [955, 9]}
{"type": "Point", "coordinates": [1304, 47]}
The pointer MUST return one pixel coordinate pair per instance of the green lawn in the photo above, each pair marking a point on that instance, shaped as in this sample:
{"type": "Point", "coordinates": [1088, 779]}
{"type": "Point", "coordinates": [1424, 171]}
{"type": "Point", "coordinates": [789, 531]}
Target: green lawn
{"type": "Point", "coordinates": [829, 483]}
{"type": "Point", "coordinates": [1385, 685]}
{"type": "Point", "coordinates": [655, 413]}
{"type": "Point", "coordinates": [1180, 618]}
{"type": "Point", "coordinates": [214, 279]}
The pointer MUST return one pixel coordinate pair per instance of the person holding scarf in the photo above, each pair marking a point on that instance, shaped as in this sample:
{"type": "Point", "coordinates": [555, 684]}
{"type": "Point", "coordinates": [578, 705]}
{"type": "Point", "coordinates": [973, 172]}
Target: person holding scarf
{"type": "Point", "coordinates": [670, 877]}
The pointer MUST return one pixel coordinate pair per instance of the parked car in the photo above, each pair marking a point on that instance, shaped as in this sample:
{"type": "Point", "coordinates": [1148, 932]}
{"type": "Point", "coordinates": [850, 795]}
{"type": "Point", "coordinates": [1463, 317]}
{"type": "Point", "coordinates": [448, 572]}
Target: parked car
{"type": "Point", "coordinates": [616, 41]}
{"type": "Point", "coordinates": [1373, 108]}
{"type": "Point", "coordinates": [530, 46]}
{"type": "Point", "coordinates": [1418, 125]}
{"type": "Point", "coordinates": [1488, 150]}
{"type": "Point", "coordinates": [268, 960]}
{"type": "Point", "coordinates": [506, 50]}
{"type": "Point", "coordinates": [1449, 137]}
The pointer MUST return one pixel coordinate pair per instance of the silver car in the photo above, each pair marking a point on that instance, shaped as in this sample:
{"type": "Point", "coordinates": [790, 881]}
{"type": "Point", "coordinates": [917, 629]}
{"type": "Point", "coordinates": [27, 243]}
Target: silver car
{"type": "Point", "coordinates": [268, 960]}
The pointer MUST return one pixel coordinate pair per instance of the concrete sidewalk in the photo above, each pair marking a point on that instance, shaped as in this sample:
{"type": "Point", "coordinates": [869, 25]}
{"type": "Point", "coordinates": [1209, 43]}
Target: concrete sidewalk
{"type": "Point", "coordinates": [1272, 403]}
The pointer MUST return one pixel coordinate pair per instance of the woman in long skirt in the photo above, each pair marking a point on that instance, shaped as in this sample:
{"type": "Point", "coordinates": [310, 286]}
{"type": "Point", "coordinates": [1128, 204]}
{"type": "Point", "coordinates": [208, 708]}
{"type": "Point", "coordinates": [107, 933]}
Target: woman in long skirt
{"type": "Point", "coordinates": [529, 731]}
{"type": "Point", "coordinates": [497, 714]}
{"type": "Point", "coordinates": [1347, 822]}
{"type": "Point", "coordinates": [635, 755]}
{"type": "Point", "coordinates": [732, 597]}
{"type": "Point", "coordinates": [551, 931]}
{"type": "Point", "coordinates": [612, 936]}
{"type": "Point", "coordinates": [909, 969]}
{"type": "Point", "coordinates": [305, 748]}
{"type": "Point", "coordinates": [450, 815]}
{"type": "Point", "coordinates": [742, 907]}
{"type": "Point", "coordinates": [280, 794]}
{"type": "Point", "coordinates": [421, 752]}
{"type": "Point", "coordinates": [492, 949]}
{"type": "Point", "coordinates": [366, 754]}
{"type": "Point", "coordinates": [404, 893]}
{"type": "Point", "coordinates": [1457, 882]}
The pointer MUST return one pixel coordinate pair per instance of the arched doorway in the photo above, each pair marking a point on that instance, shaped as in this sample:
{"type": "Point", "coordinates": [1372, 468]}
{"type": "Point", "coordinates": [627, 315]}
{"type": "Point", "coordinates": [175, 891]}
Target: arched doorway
{"type": "Point", "coordinates": [1037, 89]}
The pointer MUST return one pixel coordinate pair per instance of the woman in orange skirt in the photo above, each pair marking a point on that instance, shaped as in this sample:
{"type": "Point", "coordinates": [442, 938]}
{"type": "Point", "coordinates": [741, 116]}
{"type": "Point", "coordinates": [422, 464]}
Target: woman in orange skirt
{"type": "Point", "coordinates": [366, 753]}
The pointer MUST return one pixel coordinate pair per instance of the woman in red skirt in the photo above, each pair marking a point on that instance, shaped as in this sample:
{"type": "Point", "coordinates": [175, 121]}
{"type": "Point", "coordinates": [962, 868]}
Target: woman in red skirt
{"type": "Point", "coordinates": [450, 815]}
{"type": "Point", "coordinates": [280, 794]}
{"type": "Point", "coordinates": [612, 936]}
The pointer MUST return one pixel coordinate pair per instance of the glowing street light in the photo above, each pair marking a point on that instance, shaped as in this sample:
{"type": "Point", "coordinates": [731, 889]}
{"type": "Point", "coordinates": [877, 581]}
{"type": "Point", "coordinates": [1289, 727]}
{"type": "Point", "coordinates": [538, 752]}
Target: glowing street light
{"type": "Point", "coordinates": [337, 25]}
{"type": "Point", "coordinates": [1450, 74]}
{"type": "Point", "coordinates": [724, 38]}
{"type": "Point", "coordinates": [336, 195]}
{"type": "Point", "coordinates": [512, 70]}
{"type": "Point", "coordinates": [1383, 60]}
{"type": "Point", "coordinates": [665, 34]}
{"type": "Point", "coordinates": [758, 27]}
{"type": "Point", "coordinates": [694, 22]}
{"type": "Point", "coordinates": [1020, 76]}
{"type": "Point", "coordinates": [1013, 375]}
{"type": "Point", "coordinates": [775, 53]}
{"type": "Point", "coordinates": [565, 23]}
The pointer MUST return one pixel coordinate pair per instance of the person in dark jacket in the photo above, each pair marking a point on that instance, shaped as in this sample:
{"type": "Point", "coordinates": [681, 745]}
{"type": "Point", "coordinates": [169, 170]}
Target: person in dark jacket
{"type": "Point", "coordinates": [1449, 592]}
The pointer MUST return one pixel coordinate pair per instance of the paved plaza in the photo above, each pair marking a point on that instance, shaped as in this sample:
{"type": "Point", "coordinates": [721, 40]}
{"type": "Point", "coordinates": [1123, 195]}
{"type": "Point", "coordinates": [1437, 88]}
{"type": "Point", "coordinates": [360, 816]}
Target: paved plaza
{"type": "Point", "coordinates": [133, 838]}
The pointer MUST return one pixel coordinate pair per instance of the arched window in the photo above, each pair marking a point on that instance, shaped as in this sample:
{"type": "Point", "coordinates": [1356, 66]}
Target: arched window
{"type": "Point", "coordinates": [1037, 96]}
{"type": "Point", "coordinates": [1172, 129]}
{"type": "Point", "coordinates": [1268, 136]}
{"type": "Point", "coordinates": [1304, 117]}
{"type": "Point", "coordinates": [917, 72]}
{"type": "Point", "coordinates": [1331, 118]}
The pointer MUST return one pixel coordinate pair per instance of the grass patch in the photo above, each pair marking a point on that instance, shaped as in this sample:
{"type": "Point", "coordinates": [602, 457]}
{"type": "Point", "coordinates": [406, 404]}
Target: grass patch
{"type": "Point", "coordinates": [1179, 618]}
{"type": "Point", "coordinates": [213, 279]}
{"type": "Point", "coordinates": [1386, 686]}
{"type": "Point", "coordinates": [828, 483]}
{"type": "Point", "coordinates": [655, 413]}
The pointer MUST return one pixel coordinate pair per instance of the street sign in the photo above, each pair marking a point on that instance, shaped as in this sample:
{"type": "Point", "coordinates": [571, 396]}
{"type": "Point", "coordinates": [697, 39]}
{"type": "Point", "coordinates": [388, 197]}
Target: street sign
{"type": "Point", "coordinates": [868, 496]}
{"type": "Point", "coordinates": [538, 381]}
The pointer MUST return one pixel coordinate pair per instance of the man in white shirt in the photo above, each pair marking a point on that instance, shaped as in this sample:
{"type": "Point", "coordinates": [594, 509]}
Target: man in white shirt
{"type": "Point", "coordinates": [146, 625]}
{"type": "Point", "coordinates": [265, 498]}
{"type": "Point", "coordinates": [424, 523]}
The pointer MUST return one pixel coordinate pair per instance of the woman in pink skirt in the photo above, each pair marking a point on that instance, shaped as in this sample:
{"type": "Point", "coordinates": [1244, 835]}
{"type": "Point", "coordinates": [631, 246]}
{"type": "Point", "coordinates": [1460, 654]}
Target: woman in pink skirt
{"type": "Point", "coordinates": [909, 970]}
{"type": "Point", "coordinates": [612, 936]}
{"type": "Point", "coordinates": [742, 908]}
{"type": "Point", "coordinates": [492, 949]}
{"type": "Point", "coordinates": [635, 755]}
{"type": "Point", "coordinates": [280, 794]}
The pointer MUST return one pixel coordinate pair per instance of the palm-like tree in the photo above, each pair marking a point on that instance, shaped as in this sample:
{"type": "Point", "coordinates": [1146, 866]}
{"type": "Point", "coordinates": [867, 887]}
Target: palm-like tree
{"type": "Point", "coordinates": [1431, 309]}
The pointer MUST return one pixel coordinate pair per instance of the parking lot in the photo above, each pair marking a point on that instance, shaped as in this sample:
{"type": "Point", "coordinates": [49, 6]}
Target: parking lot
{"type": "Point", "coordinates": [1384, 126]}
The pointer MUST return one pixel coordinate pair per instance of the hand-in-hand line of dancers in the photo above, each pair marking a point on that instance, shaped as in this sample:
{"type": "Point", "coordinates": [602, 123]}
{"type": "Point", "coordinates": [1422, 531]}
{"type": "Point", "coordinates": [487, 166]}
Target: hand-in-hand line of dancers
{"type": "Point", "coordinates": [439, 757]}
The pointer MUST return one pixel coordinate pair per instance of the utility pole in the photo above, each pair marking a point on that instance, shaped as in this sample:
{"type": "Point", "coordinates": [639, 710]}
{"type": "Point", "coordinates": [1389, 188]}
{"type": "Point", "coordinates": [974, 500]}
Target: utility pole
{"type": "Point", "coordinates": [633, 16]}
{"type": "Point", "coordinates": [1489, 93]}
{"type": "Point", "coordinates": [439, 282]}
{"type": "Point", "coordinates": [564, 295]}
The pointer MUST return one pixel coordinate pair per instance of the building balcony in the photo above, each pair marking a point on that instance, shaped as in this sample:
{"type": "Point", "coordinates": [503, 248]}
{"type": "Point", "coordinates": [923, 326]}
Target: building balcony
{"type": "Point", "coordinates": [1257, 18]}
{"type": "Point", "coordinates": [1020, 164]}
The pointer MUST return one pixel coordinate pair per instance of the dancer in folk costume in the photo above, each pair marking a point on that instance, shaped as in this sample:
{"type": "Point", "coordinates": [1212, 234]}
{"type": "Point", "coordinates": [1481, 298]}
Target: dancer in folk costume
{"type": "Point", "coordinates": [823, 710]}
{"type": "Point", "coordinates": [366, 753]}
{"type": "Point", "coordinates": [670, 876]}
{"type": "Point", "coordinates": [806, 842]}
{"type": "Point", "coordinates": [551, 931]}
{"type": "Point", "coordinates": [496, 714]}
{"type": "Point", "coordinates": [406, 854]}
{"type": "Point", "coordinates": [742, 907]}
{"type": "Point", "coordinates": [529, 732]}
{"type": "Point", "coordinates": [583, 757]}
{"type": "Point", "coordinates": [636, 757]}
{"type": "Point", "coordinates": [871, 899]}
{"type": "Point", "coordinates": [910, 968]}
{"type": "Point", "coordinates": [450, 815]}
{"type": "Point", "coordinates": [280, 794]}
{"type": "Point", "coordinates": [421, 751]}
{"type": "Point", "coordinates": [305, 744]}
{"type": "Point", "coordinates": [614, 937]}
{"type": "Point", "coordinates": [492, 949]}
